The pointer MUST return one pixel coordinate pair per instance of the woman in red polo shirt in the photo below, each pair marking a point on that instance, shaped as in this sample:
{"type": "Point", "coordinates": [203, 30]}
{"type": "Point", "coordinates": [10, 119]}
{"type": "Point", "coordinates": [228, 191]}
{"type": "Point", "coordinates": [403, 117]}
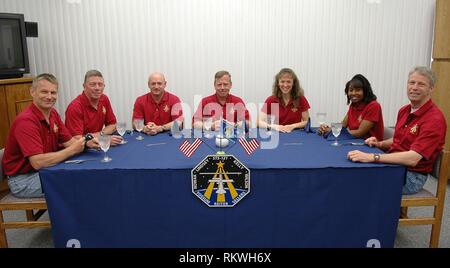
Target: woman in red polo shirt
{"type": "Point", "coordinates": [364, 118]}
{"type": "Point", "coordinates": [287, 105]}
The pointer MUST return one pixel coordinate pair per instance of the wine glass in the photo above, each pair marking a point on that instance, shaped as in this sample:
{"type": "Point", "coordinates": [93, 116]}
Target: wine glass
{"type": "Point", "coordinates": [321, 118]}
{"type": "Point", "coordinates": [105, 142]}
{"type": "Point", "coordinates": [336, 130]}
{"type": "Point", "coordinates": [121, 129]}
{"type": "Point", "coordinates": [270, 121]}
{"type": "Point", "coordinates": [207, 124]}
{"type": "Point", "coordinates": [139, 125]}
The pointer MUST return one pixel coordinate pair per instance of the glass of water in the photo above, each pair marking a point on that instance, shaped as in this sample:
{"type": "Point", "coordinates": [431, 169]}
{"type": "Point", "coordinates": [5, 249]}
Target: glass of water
{"type": "Point", "coordinates": [139, 125]}
{"type": "Point", "coordinates": [207, 124]}
{"type": "Point", "coordinates": [105, 142]}
{"type": "Point", "coordinates": [336, 130]}
{"type": "Point", "coordinates": [121, 129]}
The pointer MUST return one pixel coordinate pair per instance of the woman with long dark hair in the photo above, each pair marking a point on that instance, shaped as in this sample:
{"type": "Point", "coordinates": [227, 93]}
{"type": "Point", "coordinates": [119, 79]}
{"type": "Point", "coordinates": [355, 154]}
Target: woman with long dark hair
{"type": "Point", "coordinates": [364, 118]}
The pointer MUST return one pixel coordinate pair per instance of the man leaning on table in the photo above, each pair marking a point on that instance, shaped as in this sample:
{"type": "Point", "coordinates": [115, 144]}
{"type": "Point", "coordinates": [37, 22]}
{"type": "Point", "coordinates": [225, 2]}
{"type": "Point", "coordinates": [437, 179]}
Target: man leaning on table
{"type": "Point", "coordinates": [34, 139]}
{"type": "Point", "coordinates": [221, 104]}
{"type": "Point", "coordinates": [91, 111]}
{"type": "Point", "coordinates": [419, 133]}
{"type": "Point", "coordinates": [159, 108]}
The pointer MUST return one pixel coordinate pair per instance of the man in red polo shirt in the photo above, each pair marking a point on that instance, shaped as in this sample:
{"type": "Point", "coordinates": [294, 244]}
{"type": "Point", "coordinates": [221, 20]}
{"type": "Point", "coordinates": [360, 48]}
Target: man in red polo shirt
{"type": "Point", "coordinates": [34, 139]}
{"type": "Point", "coordinates": [158, 108]}
{"type": "Point", "coordinates": [91, 111]}
{"type": "Point", "coordinates": [419, 133]}
{"type": "Point", "coordinates": [221, 105]}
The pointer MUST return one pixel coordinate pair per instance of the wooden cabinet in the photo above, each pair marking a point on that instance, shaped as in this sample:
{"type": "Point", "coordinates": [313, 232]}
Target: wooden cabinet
{"type": "Point", "coordinates": [14, 97]}
{"type": "Point", "coordinates": [441, 66]}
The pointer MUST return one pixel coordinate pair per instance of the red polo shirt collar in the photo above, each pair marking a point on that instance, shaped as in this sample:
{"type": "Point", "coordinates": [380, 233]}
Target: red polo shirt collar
{"type": "Point", "coordinates": [279, 101]}
{"type": "Point", "coordinates": [38, 113]}
{"type": "Point", "coordinates": [164, 99]}
{"type": "Point", "coordinates": [85, 101]}
{"type": "Point", "coordinates": [227, 101]}
{"type": "Point", "coordinates": [359, 106]}
{"type": "Point", "coordinates": [422, 110]}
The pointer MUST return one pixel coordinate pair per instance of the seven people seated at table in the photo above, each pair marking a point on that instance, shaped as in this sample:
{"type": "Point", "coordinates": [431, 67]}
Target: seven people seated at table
{"type": "Point", "coordinates": [37, 133]}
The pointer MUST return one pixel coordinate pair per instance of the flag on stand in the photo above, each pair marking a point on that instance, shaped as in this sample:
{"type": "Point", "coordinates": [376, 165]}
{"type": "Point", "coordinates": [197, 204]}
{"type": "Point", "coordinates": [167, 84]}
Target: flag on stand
{"type": "Point", "coordinates": [227, 129]}
{"type": "Point", "coordinates": [249, 146]}
{"type": "Point", "coordinates": [188, 148]}
{"type": "Point", "coordinates": [308, 127]}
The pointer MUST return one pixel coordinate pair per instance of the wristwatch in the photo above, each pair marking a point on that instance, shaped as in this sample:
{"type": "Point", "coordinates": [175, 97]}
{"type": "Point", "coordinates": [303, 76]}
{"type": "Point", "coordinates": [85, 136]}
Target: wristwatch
{"type": "Point", "coordinates": [376, 158]}
{"type": "Point", "coordinates": [87, 138]}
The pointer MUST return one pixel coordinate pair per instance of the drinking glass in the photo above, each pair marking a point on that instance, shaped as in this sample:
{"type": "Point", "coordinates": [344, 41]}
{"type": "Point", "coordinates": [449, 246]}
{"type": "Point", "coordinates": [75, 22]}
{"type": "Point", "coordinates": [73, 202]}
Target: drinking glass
{"type": "Point", "coordinates": [270, 121]}
{"type": "Point", "coordinates": [175, 129]}
{"type": "Point", "coordinates": [105, 142]}
{"type": "Point", "coordinates": [336, 130]}
{"type": "Point", "coordinates": [321, 118]}
{"type": "Point", "coordinates": [139, 125]}
{"type": "Point", "coordinates": [121, 129]}
{"type": "Point", "coordinates": [207, 124]}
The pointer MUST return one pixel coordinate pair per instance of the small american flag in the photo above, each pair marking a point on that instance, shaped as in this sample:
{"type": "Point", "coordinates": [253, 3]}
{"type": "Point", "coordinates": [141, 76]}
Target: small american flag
{"type": "Point", "coordinates": [189, 149]}
{"type": "Point", "coordinates": [249, 146]}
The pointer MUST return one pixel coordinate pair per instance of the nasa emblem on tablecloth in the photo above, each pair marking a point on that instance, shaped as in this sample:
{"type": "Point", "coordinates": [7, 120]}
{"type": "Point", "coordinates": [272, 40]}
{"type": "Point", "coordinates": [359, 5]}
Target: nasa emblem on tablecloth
{"type": "Point", "coordinates": [220, 181]}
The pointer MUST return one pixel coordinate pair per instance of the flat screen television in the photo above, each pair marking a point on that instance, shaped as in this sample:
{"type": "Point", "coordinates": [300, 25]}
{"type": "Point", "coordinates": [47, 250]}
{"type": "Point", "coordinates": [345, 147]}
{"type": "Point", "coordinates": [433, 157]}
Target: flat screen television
{"type": "Point", "coordinates": [13, 46]}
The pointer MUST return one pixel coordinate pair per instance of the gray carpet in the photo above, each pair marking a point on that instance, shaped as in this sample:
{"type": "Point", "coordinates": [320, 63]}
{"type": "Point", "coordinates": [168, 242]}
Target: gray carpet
{"type": "Point", "coordinates": [407, 236]}
{"type": "Point", "coordinates": [27, 238]}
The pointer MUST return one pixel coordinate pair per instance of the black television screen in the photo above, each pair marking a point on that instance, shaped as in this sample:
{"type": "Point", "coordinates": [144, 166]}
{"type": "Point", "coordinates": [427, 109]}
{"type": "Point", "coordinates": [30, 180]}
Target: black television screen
{"type": "Point", "coordinates": [13, 46]}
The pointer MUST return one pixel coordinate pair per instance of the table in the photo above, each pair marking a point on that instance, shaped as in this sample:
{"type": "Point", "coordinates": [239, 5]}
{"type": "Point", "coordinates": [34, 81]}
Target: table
{"type": "Point", "coordinates": [304, 193]}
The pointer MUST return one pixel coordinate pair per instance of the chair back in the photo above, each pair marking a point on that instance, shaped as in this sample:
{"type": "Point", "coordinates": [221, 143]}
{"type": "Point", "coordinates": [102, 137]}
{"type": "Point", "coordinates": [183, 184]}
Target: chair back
{"type": "Point", "coordinates": [426, 198]}
{"type": "Point", "coordinates": [9, 202]}
{"type": "Point", "coordinates": [2, 151]}
{"type": "Point", "coordinates": [437, 166]}
{"type": "Point", "coordinates": [4, 189]}
{"type": "Point", "coordinates": [388, 132]}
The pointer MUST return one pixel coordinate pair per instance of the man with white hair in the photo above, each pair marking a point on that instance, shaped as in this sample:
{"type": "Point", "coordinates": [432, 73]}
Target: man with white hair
{"type": "Point", "coordinates": [419, 133]}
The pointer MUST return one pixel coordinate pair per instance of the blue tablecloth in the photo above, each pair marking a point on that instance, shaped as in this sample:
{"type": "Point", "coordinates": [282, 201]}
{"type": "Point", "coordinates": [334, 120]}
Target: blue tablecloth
{"type": "Point", "coordinates": [304, 193]}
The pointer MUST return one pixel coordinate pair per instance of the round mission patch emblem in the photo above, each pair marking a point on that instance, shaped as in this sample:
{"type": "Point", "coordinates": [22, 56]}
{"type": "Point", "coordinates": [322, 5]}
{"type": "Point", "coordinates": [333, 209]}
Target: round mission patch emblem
{"type": "Point", "coordinates": [220, 180]}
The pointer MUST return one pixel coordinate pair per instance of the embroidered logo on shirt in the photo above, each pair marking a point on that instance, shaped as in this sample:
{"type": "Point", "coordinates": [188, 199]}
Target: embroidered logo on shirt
{"type": "Point", "coordinates": [55, 128]}
{"type": "Point", "coordinates": [166, 108]}
{"type": "Point", "coordinates": [360, 118]}
{"type": "Point", "coordinates": [232, 111]}
{"type": "Point", "coordinates": [104, 110]}
{"type": "Point", "coordinates": [414, 129]}
{"type": "Point", "coordinates": [294, 109]}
